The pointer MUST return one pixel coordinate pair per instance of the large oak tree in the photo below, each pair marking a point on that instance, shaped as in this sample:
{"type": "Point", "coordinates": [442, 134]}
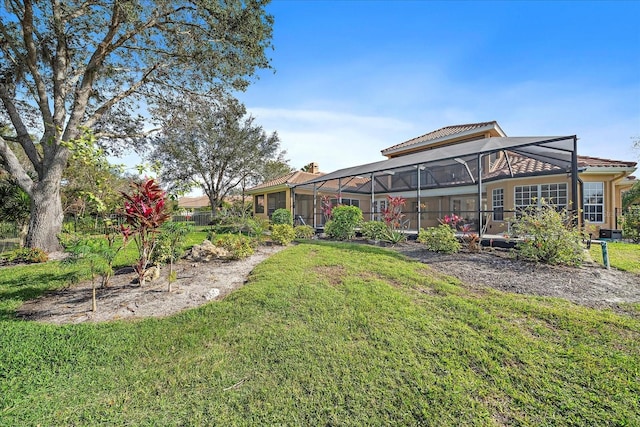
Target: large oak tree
{"type": "Point", "coordinates": [213, 144]}
{"type": "Point", "coordinates": [68, 66]}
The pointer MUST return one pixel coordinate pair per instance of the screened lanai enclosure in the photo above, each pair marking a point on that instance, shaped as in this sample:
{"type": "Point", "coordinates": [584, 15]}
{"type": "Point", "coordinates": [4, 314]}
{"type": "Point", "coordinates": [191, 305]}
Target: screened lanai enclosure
{"type": "Point", "coordinates": [461, 178]}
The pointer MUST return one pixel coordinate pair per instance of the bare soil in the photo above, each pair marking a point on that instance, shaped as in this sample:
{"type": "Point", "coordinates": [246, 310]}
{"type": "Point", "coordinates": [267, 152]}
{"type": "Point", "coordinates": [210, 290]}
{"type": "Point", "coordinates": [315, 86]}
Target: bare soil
{"type": "Point", "coordinates": [591, 284]}
{"type": "Point", "coordinates": [198, 283]}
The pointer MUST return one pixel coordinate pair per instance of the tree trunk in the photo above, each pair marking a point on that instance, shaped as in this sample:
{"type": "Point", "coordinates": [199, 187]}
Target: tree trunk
{"type": "Point", "coordinates": [46, 218]}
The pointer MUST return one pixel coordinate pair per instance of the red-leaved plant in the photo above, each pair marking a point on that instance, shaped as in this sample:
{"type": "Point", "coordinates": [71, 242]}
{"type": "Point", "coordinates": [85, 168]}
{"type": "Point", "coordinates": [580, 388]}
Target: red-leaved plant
{"type": "Point", "coordinates": [392, 214]}
{"type": "Point", "coordinates": [145, 210]}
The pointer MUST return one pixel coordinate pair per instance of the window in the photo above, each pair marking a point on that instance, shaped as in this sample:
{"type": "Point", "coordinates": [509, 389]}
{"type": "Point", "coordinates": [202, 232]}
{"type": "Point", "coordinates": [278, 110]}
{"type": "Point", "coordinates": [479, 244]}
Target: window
{"type": "Point", "coordinates": [555, 194]}
{"type": "Point", "coordinates": [276, 201]}
{"type": "Point", "coordinates": [258, 202]}
{"type": "Point", "coordinates": [593, 199]}
{"type": "Point", "coordinates": [530, 195]}
{"type": "Point", "coordinates": [526, 196]}
{"type": "Point", "coordinates": [346, 202]}
{"type": "Point", "coordinates": [498, 204]}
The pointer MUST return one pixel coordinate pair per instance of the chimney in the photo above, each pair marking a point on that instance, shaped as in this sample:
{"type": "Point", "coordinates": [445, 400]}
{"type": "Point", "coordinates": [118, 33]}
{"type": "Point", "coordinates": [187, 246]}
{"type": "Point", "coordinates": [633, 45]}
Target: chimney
{"type": "Point", "coordinates": [314, 168]}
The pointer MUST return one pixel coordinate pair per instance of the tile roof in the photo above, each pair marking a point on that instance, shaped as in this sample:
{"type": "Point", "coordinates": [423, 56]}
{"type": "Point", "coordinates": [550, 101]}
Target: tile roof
{"type": "Point", "coordinates": [193, 202]}
{"type": "Point", "coordinates": [440, 133]}
{"type": "Point", "coordinates": [522, 165]}
{"type": "Point", "coordinates": [297, 177]}
{"type": "Point", "coordinates": [606, 163]}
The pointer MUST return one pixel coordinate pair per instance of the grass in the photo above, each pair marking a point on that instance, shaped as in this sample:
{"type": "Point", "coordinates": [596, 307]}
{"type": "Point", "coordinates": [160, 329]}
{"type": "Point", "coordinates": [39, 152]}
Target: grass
{"type": "Point", "coordinates": [326, 334]}
{"type": "Point", "coordinates": [623, 256]}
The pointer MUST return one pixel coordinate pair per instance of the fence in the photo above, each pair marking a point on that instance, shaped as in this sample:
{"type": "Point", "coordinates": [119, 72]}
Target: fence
{"type": "Point", "coordinates": [9, 236]}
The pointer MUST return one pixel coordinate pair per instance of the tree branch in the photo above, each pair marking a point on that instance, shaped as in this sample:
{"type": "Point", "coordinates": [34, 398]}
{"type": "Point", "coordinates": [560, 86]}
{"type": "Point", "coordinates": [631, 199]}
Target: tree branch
{"type": "Point", "coordinates": [95, 117]}
{"type": "Point", "coordinates": [22, 134]}
{"type": "Point", "coordinates": [13, 166]}
{"type": "Point", "coordinates": [32, 63]}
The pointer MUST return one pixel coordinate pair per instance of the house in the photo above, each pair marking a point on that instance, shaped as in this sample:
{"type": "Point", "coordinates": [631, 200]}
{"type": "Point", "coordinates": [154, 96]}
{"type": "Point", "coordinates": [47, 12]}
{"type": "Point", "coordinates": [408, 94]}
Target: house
{"type": "Point", "coordinates": [473, 170]}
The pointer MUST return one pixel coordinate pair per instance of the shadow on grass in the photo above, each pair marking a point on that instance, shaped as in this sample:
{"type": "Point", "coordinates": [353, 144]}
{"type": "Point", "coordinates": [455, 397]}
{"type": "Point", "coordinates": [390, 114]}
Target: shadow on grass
{"type": "Point", "coordinates": [24, 287]}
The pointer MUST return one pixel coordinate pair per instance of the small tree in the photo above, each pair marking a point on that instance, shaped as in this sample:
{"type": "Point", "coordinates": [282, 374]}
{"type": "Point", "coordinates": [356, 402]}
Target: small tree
{"type": "Point", "coordinates": [145, 211]}
{"type": "Point", "coordinates": [171, 246]}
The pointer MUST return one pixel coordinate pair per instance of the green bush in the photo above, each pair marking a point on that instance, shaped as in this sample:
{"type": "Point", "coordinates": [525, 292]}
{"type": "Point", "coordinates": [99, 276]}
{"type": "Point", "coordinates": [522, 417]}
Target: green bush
{"type": "Point", "coordinates": [239, 246]}
{"type": "Point", "coordinates": [304, 231]}
{"type": "Point", "coordinates": [439, 239]}
{"type": "Point", "coordinates": [343, 223]}
{"type": "Point", "coordinates": [282, 234]}
{"type": "Point", "coordinates": [282, 216]}
{"type": "Point", "coordinates": [631, 224]}
{"type": "Point", "coordinates": [374, 230]}
{"type": "Point", "coordinates": [548, 236]}
{"type": "Point", "coordinates": [28, 255]}
{"type": "Point", "coordinates": [257, 227]}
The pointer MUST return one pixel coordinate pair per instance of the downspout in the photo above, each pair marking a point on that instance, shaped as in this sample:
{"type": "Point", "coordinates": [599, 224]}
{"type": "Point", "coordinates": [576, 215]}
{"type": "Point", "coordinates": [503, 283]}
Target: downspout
{"type": "Point", "coordinates": [339, 191]}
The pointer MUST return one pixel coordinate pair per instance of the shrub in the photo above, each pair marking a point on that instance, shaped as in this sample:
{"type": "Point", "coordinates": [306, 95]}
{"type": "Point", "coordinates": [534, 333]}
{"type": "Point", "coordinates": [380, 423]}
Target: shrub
{"type": "Point", "coordinates": [257, 227]}
{"type": "Point", "coordinates": [28, 255]}
{"type": "Point", "coordinates": [282, 216]}
{"type": "Point", "coordinates": [439, 239]}
{"type": "Point", "coordinates": [304, 231]}
{"type": "Point", "coordinates": [394, 236]}
{"type": "Point", "coordinates": [344, 221]}
{"type": "Point", "coordinates": [239, 246]}
{"type": "Point", "coordinates": [282, 234]}
{"type": "Point", "coordinates": [631, 224]}
{"type": "Point", "coordinates": [374, 230]}
{"type": "Point", "coordinates": [548, 236]}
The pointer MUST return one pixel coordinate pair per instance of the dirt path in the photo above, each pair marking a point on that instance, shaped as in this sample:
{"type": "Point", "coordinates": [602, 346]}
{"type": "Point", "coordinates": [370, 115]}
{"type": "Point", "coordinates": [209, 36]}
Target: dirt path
{"type": "Point", "coordinates": [197, 284]}
{"type": "Point", "coordinates": [590, 285]}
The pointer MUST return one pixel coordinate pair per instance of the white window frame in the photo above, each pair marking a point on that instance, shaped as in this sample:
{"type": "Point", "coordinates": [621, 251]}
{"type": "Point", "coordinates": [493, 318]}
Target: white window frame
{"type": "Point", "coordinates": [536, 191]}
{"type": "Point", "coordinates": [593, 202]}
{"type": "Point", "coordinates": [497, 195]}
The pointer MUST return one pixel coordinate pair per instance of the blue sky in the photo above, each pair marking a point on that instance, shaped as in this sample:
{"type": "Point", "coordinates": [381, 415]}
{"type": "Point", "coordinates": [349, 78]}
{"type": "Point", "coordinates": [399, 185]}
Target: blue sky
{"type": "Point", "coordinates": [354, 77]}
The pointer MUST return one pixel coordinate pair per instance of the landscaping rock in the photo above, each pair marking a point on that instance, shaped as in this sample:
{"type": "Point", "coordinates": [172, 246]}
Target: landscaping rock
{"type": "Point", "coordinates": [206, 252]}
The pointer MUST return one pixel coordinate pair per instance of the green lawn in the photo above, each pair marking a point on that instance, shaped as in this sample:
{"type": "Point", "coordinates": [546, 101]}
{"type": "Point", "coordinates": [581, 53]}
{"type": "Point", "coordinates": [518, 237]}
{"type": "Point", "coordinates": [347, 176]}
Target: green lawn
{"type": "Point", "coordinates": [623, 256]}
{"type": "Point", "coordinates": [325, 334]}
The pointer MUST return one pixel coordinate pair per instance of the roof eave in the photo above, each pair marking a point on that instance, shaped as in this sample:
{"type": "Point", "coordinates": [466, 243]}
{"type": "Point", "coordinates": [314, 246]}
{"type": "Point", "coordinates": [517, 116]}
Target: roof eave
{"type": "Point", "coordinates": [494, 125]}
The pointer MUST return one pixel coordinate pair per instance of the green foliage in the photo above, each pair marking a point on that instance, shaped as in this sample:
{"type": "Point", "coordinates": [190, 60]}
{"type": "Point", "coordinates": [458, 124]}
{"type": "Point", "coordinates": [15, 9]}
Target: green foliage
{"type": "Point", "coordinates": [631, 197]}
{"type": "Point", "coordinates": [548, 236]}
{"type": "Point", "coordinates": [343, 223]}
{"type": "Point", "coordinates": [170, 246]}
{"type": "Point", "coordinates": [28, 255]}
{"type": "Point", "coordinates": [282, 216]}
{"type": "Point", "coordinates": [304, 231]}
{"type": "Point", "coordinates": [394, 236]}
{"type": "Point", "coordinates": [374, 230]}
{"type": "Point", "coordinates": [282, 234]}
{"type": "Point", "coordinates": [439, 239]}
{"type": "Point", "coordinates": [631, 224]}
{"type": "Point", "coordinates": [239, 246]}
{"type": "Point", "coordinates": [334, 322]}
